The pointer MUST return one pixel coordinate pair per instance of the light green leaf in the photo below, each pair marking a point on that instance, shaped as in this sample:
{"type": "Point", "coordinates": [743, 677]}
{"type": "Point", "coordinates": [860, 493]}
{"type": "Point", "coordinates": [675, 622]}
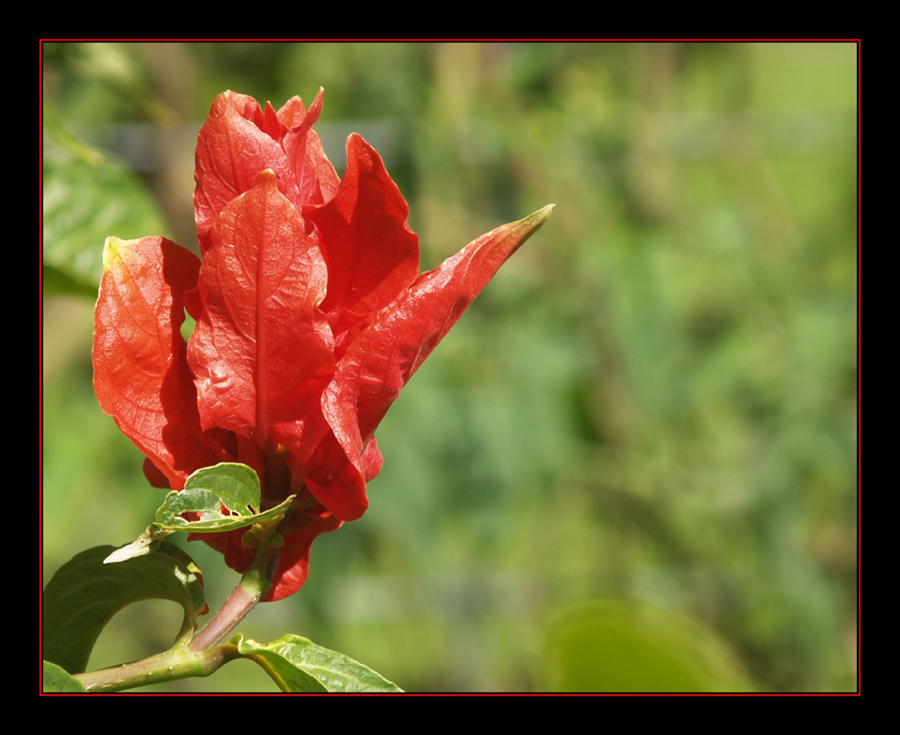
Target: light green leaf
{"type": "Point", "coordinates": [299, 665]}
{"type": "Point", "coordinates": [85, 593]}
{"type": "Point", "coordinates": [229, 484]}
{"type": "Point", "coordinates": [87, 198]}
{"type": "Point", "coordinates": [57, 679]}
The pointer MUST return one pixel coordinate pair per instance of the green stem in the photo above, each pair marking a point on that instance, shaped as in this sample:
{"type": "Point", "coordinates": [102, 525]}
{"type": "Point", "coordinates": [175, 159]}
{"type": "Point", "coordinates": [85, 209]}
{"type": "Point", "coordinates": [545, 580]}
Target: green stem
{"type": "Point", "coordinates": [239, 603]}
{"type": "Point", "coordinates": [254, 584]}
{"type": "Point", "coordinates": [176, 663]}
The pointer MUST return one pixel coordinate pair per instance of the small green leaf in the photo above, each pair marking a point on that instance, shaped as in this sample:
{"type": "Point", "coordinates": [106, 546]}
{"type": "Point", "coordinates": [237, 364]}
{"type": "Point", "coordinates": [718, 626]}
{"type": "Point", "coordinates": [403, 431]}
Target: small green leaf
{"type": "Point", "coordinates": [299, 665]}
{"type": "Point", "coordinates": [230, 485]}
{"type": "Point", "coordinates": [57, 679]}
{"type": "Point", "coordinates": [235, 485]}
{"type": "Point", "coordinates": [85, 593]}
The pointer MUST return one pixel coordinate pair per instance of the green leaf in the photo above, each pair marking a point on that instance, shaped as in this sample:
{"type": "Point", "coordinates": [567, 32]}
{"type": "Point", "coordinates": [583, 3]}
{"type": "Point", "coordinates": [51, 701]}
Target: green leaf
{"type": "Point", "coordinates": [85, 593]}
{"type": "Point", "coordinates": [299, 665]}
{"type": "Point", "coordinates": [57, 679]}
{"type": "Point", "coordinates": [88, 197]}
{"type": "Point", "coordinates": [229, 484]}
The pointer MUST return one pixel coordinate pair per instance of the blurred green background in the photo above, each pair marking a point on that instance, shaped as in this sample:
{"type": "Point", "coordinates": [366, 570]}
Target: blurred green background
{"type": "Point", "coordinates": [638, 449]}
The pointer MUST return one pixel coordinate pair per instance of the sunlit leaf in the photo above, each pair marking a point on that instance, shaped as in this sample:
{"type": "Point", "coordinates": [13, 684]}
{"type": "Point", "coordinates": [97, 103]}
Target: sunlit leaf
{"type": "Point", "coordinates": [299, 665]}
{"type": "Point", "coordinates": [229, 485]}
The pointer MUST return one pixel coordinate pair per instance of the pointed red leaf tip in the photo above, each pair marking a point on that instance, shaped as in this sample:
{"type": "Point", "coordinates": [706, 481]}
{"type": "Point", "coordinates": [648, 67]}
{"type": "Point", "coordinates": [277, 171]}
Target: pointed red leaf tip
{"type": "Point", "coordinates": [384, 356]}
{"type": "Point", "coordinates": [311, 317]}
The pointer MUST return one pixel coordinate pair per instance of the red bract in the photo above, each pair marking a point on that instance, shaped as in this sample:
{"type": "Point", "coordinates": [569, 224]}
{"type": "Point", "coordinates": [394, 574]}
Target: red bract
{"type": "Point", "coordinates": [310, 315]}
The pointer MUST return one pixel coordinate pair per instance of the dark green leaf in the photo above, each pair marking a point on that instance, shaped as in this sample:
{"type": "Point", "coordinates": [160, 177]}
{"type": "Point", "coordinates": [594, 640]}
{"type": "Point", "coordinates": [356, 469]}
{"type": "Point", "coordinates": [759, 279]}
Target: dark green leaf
{"type": "Point", "coordinates": [85, 593]}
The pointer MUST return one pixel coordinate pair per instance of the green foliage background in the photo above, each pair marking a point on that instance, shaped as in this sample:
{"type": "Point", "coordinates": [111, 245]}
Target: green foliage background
{"type": "Point", "coordinates": [655, 400]}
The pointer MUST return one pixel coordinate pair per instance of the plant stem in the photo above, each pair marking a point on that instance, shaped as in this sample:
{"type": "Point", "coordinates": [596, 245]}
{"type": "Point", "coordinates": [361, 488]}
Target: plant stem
{"type": "Point", "coordinates": [176, 663]}
{"type": "Point", "coordinates": [254, 584]}
{"type": "Point", "coordinates": [239, 603]}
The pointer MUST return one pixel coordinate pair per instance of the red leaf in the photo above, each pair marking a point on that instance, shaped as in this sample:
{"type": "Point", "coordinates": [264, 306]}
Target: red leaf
{"type": "Point", "coordinates": [293, 560]}
{"type": "Point", "coordinates": [384, 356]}
{"type": "Point", "coordinates": [313, 174]}
{"type": "Point", "coordinates": [261, 351]}
{"type": "Point", "coordinates": [231, 151]}
{"type": "Point", "coordinates": [372, 254]}
{"type": "Point", "coordinates": [238, 140]}
{"type": "Point", "coordinates": [141, 376]}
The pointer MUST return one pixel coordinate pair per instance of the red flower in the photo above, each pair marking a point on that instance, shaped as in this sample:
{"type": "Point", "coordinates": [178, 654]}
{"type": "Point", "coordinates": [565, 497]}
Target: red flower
{"type": "Point", "coordinates": [310, 315]}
